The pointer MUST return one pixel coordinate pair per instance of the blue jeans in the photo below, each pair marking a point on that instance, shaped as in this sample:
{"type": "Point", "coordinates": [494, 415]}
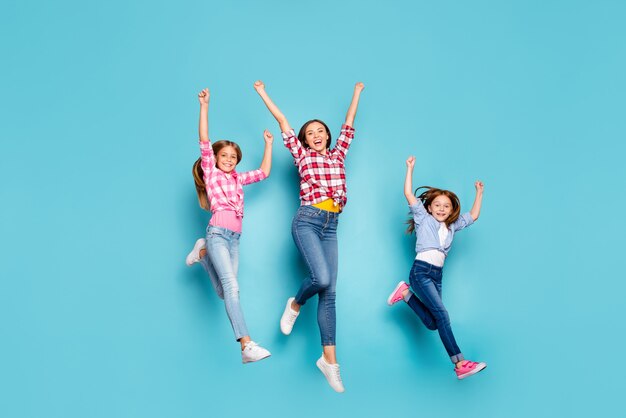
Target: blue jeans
{"type": "Point", "coordinates": [427, 303]}
{"type": "Point", "coordinates": [221, 264]}
{"type": "Point", "coordinates": [315, 234]}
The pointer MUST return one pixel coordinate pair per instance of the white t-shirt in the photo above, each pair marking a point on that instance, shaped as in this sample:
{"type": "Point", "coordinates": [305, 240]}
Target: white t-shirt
{"type": "Point", "coordinates": [435, 257]}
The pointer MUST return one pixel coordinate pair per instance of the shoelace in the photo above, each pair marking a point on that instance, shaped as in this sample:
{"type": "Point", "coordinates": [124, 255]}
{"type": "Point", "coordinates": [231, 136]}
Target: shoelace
{"type": "Point", "coordinates": [292, 315]}
{"type": "Point", "coordinates": [335, 369]}
{"type": "Point", "coordinates": [468, 364]}
{"type": "Point", "coordinates": [250, 345]}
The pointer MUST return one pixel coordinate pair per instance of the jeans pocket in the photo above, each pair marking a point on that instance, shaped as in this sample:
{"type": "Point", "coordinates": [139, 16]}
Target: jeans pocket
{"type": "Point", "coordinates": [306, 214]}
{"type": "Point", "coordinates": [420, 268]}
{"type": "Point", "coordinates": [214, 232]}
{"type": "Point", "coordinates": [304, 219]}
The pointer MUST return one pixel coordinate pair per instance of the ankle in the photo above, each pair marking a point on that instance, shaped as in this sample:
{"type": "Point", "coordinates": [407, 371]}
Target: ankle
{"type": "Point", "coordinates": [243, 341]}
{"type": "Point", "coordinates": [295, 306]}
{"type": "Point", "coordinates": [329, 360]}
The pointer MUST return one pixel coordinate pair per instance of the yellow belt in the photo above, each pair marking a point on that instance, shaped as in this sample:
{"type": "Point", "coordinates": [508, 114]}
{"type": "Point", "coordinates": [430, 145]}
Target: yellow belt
{"type": "Point", "coordinates": [328, 205]}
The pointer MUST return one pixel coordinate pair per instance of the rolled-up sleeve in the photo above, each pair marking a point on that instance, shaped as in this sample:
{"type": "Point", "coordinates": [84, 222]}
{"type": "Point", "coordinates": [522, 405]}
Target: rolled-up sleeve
{"type": "Point", "coordinates": [343, 142]}
{"type": "Point", "coordinates": [418, 211]}
{"type": "Point", "coordinates": [207, 158]}
{"type": "Point", "coordinates": [253, 176]}
{"type": "Point", "coordinates": [293, 144]}
{"type": "Point", "coordinates": [464, 221]}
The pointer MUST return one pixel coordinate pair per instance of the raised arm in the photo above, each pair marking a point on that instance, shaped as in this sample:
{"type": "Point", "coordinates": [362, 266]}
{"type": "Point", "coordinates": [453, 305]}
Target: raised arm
{"type": "Point", "coordinates": [274, 110]}
{"type": "Point", "coordinates": [266, 164]}
{"type": "Point", "coordinates": [203, 126]}
{"type": "Point", "coordinates": [408, 181]}
{"type": "Point", "coordinates": [478, 200]}
{"type": "Point", "coordinates": [358, 88]}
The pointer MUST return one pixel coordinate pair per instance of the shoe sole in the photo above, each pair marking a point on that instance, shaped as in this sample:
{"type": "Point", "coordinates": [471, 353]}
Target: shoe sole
{"type": "Point", "coordinates": [254, 361]}
{"type": "Point", "coordinates": [479, 368]}
{"type": "Point", "coordinates": [318, 364]}
{"type": "Point", "coordinates": [389, 299]}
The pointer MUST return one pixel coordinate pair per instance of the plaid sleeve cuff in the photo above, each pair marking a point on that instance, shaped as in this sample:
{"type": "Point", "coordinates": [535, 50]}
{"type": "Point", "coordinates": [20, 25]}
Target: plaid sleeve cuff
{"type": "Point", "coordinates": [259, 175]}
{"type": "Point", "coordinates": [345, 138]}
{"type": "Point", "coordinates": [252, 176]}
{"type": "Point", "coordinates": [292, 143]}
{"type": "Point", "coordinates": [347, 130]}
{"type": "Point", "coordinates": [289, 136]}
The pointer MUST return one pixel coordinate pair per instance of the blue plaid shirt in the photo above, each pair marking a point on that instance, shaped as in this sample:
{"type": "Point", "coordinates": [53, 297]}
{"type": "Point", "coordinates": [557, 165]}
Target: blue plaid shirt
{"type": "Point", "coordinates": [427, 229]}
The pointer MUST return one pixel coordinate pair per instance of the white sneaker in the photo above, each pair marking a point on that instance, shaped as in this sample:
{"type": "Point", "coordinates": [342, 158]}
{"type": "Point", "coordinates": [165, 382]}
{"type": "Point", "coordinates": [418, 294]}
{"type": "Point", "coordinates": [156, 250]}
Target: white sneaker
{"type": "Point", "coordinates": [331, 371]}
{"type": "Point", "coordinates": [194, 255]}
{"type": "Point", "coordinates": [253, 352]}
{"type": "Point", "coordinates": [288, 318]}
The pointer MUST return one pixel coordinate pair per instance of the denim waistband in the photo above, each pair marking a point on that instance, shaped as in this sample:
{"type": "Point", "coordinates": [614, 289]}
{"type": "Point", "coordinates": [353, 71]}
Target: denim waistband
{"type": "Point", "coordinates": [224, 231]}
{"type": "Point", "coordinates": [430, 266]}
{"type": "Point", "coordinates": [313, 211]}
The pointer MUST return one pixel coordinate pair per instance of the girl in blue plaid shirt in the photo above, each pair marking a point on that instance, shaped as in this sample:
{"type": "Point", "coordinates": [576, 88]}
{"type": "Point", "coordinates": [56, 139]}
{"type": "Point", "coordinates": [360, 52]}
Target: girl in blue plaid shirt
{"type": "Point", "coordinates": [435, 218]}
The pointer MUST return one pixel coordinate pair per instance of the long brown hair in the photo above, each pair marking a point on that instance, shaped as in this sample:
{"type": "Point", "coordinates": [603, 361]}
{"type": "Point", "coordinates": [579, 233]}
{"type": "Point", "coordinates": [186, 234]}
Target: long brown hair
{"type": "Point", "coordinates": [198, 179]}
{"type": "Point", "coordinates": [302, 133]}
{"type": "Point", "coordinates": [427, 197]}
{"type": "Point", "coordinates": [198, 172]}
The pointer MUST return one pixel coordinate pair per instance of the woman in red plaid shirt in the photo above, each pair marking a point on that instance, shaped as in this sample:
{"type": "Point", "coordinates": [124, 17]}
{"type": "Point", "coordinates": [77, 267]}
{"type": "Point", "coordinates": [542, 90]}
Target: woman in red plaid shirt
{"type": "Point", "coordinates": [220, 190]}
{"type": "Point", "coordinates": [314, 227]}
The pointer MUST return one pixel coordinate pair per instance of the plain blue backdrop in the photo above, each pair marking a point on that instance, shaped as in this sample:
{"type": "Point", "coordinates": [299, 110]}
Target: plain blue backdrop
{"type": "Point", "coordinates": [100, 317]}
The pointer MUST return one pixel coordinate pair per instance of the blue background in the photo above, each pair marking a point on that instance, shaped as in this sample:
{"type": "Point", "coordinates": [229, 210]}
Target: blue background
{"type": "Point", "coordinates": [100, 317]}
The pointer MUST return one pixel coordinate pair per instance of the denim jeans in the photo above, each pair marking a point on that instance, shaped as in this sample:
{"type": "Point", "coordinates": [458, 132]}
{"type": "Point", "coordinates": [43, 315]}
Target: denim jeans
{"type": "Point", "coordinates": [427, 303]}
{"type": "Point", "coordinates": [315, 234]}
{"type": "Point", "coordinates": [221, 264]}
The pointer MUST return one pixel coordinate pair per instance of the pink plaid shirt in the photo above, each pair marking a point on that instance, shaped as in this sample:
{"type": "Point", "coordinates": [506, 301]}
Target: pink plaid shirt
{"type": "Point", "coordinates": [225, 190]}
{"type": "Point", "coordinates": [321, 176]}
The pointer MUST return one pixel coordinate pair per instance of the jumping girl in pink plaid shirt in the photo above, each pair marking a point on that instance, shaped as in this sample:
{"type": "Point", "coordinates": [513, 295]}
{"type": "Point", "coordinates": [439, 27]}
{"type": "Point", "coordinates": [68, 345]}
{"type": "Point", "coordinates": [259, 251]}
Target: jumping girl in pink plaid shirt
{"type": "Point", "coordinates": [220, 190]}
{"type": "Point", "coordinates": [314, 228]}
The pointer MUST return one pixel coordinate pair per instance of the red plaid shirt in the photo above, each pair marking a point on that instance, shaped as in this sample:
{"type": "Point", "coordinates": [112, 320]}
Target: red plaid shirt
{"type": "Point", "coordinates": [322, 177]}
{"type": "Point", "coordinates": [225, 190]}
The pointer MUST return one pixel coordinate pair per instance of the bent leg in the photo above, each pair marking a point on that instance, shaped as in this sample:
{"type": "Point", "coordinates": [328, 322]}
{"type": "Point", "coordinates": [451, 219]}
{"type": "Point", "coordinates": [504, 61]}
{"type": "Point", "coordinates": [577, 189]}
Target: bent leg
{"type": "Point", "coordinates": [427, 292]}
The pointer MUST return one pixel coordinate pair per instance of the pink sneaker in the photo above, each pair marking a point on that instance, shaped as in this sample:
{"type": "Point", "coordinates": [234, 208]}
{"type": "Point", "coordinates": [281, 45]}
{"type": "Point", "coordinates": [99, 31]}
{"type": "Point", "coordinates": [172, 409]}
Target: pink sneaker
{"type": "Point", "coordinates": [468, 368]}
{"type": "Point", "coordinates": [396, 295]}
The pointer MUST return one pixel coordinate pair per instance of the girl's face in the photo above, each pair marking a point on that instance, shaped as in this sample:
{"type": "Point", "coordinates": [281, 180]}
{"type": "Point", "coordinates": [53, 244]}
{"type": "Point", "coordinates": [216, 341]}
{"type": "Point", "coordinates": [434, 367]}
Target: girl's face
{"type": "Point", "coordinates": [226, 159]}
{"type": "Point", "coordinates": [440, 208]}
{"type": "Point", "coordinates": [316, 137]}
